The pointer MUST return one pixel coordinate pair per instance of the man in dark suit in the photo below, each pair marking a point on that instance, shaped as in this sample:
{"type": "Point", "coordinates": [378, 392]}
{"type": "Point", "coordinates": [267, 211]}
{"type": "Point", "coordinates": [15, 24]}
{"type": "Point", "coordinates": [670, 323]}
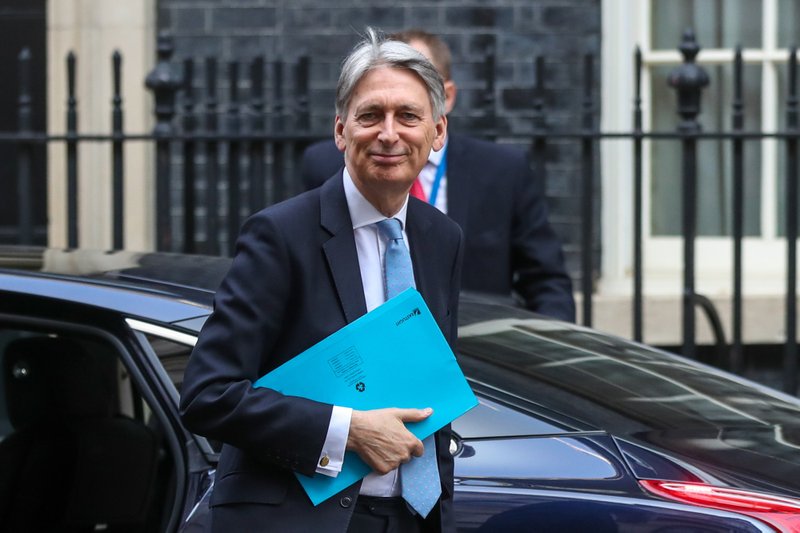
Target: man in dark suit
{"type": "Point", "coordinates": [305, 268]}
{"type": "Point", "coordinates": [491, 192]}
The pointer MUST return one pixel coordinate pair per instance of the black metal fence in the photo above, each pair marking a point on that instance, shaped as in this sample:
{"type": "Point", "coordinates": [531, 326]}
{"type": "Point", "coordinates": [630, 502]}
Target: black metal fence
{"type": "Point", "coordinates": [248, 152]}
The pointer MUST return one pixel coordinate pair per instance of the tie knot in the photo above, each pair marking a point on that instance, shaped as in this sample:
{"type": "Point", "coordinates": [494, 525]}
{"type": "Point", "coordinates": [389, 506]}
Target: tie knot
{"type": "Point", "coordinates": [390, 229]}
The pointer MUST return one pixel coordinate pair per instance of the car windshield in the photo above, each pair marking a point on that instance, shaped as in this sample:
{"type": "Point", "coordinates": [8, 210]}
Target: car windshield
{"type": "Point", "coordinates": [619, 382]}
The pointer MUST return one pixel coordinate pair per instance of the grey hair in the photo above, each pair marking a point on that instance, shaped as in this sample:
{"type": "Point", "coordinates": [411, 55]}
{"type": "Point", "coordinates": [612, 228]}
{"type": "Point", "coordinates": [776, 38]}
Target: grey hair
{"type": "Point", "coordinates": [376, 51]}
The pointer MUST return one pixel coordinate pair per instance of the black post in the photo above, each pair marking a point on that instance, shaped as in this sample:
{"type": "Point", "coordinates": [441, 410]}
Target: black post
{"type": "Point", "coordinates": [539, 142]}
{"type": "Point", "coordinates": [489, 100]}
{"type": "Point", "coordinates": [302, 123]}
{"type": "Point", "coordinates": [212, 160]}
{"type": "Point", "coordinates": [164, 82]}
{"type": "Point", "coordinates": [234, 147]}
{"type": "Point", "coordinates": [302, 75]}
{"type": "Point", "coordinates": [72, 155]}
{"type": "Point", "coordinates": [737, 119]}
{"type": "Point", "coordinates": [189, 126]}
{"type": "Point", "coordinates": [539, 129]}
{"type": "Point", "coordinates": [117, 154]}
{"type": "Point", "coordinates": [256, 156]}
{"type": "Point", "coordinates": [638, 308]}
{"type": "Point", "coordinates": [25, 154]}
{"type": "Point", "coordinates": [689, 79]}
{"type": "Point", "coordinates": [587, 192]}
{"type": "Point", "coordinates": [790, 354]}
{"type": "Point", "coordinates": [278, 169]}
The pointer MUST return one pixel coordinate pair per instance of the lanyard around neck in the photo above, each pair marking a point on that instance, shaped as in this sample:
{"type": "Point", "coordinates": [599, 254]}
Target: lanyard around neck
{"type": "Point", "coordinates": [437, 180]}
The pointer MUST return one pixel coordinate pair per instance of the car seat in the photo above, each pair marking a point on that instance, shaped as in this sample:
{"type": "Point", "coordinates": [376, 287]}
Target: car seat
{"type": "Point", "coordinates": [72, 463]}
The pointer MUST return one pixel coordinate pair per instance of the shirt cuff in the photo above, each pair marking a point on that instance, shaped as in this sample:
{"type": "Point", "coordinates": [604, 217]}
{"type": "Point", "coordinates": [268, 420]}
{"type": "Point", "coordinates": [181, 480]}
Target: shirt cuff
{"type": "Point", "coordinates": [332, 456]}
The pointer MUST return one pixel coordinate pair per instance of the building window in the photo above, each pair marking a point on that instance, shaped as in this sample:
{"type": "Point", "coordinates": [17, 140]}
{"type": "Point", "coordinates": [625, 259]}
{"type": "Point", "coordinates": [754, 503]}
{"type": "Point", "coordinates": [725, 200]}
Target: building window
{"type": "Point", "coordinates": [765, 29]}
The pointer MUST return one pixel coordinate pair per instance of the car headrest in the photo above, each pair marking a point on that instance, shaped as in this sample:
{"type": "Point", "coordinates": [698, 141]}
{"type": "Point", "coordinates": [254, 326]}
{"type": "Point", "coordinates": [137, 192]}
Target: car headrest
{"type": "Point", "coordinates": [54, 377]}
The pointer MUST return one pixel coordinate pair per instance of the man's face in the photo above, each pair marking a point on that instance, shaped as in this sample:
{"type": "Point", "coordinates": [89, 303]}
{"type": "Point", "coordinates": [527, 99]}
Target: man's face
{"type": "Point", "coordinates": [388, 131]}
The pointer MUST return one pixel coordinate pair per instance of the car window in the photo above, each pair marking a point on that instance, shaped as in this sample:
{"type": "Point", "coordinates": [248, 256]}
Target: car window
{"type": "Point", "coordinates": [78, 432]}
{"type": "Point", "coordinates": [6, 337]}
{"type": "Point", "coordinates": [24, 352]}
{"type": "Point", "coordinates": [173, 356]}
{"type": "Point", "coordinates": [619, 380]}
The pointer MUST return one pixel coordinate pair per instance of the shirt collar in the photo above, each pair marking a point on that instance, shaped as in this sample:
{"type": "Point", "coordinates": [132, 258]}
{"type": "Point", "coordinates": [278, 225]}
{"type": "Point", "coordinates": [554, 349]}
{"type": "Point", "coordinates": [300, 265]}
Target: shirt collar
{"type": "Point", "coordinates": [363, 213]}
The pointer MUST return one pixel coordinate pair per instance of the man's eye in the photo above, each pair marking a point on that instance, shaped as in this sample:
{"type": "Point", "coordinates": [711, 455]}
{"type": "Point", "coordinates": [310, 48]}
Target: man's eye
{"type": "Point", "coordinates": [367, 117]}
{"type": "Point", "coordinates": [409, 117]}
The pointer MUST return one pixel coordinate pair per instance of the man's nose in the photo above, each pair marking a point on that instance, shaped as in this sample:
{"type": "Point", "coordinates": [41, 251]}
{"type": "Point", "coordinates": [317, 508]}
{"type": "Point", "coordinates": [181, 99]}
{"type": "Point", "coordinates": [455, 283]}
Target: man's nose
{"type": "Point", "coordinates": [388, 132]}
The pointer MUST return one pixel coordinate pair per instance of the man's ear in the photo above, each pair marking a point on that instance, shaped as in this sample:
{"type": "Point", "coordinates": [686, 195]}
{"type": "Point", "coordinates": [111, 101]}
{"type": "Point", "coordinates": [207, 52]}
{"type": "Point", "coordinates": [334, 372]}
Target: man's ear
{"type": "Point", "coordinates": [450, 91]}
{"type": "Point", "coordinates": [440, 132]}
{"type": "Point", "coordinates": [338, 134]}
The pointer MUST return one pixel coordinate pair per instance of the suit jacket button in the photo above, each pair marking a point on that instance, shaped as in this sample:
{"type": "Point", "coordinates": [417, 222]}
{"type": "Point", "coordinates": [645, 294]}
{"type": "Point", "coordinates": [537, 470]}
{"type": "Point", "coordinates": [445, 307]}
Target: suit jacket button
{"type": "Point", "coordinates": [346, 501]}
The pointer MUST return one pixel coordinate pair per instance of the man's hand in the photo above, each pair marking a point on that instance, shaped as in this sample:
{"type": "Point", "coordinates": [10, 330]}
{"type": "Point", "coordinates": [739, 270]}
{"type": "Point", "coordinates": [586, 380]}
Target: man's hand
{"type": "Point", "coordinates": [380, 438]}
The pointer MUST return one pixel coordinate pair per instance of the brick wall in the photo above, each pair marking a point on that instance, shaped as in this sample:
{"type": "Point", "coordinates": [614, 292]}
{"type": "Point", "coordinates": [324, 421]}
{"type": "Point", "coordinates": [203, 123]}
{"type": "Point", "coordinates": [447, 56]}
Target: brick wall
{"type": "Point", "coordinates": [561, 30]}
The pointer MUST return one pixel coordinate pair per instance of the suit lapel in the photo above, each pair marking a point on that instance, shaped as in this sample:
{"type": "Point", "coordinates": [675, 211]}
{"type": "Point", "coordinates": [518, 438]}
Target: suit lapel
{"type": "Point", "coordinates": [459, 176]}
{"type": "Point", "coordinates": [421, 246]}
{"type": "Point", "coordinates": [340, 250]}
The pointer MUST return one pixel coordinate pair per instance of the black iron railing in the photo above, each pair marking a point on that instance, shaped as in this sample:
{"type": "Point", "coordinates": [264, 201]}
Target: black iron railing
{"type": "Point", "coordinates": [228, 159]}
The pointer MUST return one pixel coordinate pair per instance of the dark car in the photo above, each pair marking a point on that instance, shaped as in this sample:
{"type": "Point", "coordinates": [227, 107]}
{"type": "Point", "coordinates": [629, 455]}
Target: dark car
{"type": "Point", "coordinates": [575, 430]}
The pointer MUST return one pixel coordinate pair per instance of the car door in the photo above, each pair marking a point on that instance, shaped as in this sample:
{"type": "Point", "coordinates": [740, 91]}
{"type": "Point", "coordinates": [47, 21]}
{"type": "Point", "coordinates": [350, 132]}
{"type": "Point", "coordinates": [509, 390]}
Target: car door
{"type": "Point", "coordinates": [522, 468]}
{"type": "Point", "coordinates": [88, 435]}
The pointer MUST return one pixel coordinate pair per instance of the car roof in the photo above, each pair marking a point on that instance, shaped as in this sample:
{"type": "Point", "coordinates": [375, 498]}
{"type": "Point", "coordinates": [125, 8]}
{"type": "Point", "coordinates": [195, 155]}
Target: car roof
{"type": "Point", "coordinates": [158, 286]}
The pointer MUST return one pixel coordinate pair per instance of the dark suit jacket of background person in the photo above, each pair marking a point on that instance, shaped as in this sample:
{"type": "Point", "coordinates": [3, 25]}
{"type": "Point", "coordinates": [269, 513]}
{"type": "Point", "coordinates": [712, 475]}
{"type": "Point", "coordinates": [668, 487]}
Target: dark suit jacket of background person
{"type": "Point", "coordinates": [294, 280]}
{"type": "Point", "coordinates": [501, 208]}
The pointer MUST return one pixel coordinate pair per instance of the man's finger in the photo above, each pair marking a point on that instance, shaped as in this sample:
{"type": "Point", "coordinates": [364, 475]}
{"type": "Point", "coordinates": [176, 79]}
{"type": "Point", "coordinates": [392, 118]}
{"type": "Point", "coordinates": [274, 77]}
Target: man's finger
{"type": "Point", "coordinates": [414, 415]}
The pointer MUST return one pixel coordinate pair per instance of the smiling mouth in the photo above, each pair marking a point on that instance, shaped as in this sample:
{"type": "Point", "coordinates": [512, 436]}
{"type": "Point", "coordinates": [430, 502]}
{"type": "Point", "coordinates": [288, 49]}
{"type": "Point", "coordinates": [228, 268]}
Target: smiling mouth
{"type": "Point", "coordinates": [387, 159]}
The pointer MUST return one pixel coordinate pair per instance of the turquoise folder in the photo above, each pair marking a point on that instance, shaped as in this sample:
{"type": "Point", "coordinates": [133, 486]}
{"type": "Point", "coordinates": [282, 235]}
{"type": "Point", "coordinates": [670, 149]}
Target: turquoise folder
{"type": "Point", "coordinates": [394, 356]}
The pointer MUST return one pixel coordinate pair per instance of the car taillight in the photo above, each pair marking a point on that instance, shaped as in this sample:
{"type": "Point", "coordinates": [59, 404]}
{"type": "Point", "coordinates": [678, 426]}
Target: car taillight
{"type": "Point", "coordinates": [780, 512]}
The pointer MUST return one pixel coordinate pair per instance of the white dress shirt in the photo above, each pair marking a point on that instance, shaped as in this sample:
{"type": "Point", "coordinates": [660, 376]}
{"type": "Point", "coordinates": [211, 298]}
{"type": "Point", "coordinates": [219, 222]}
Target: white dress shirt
{"type": "Point", "coordinates": [370, 248]}
{"type": "Point", "coordinates": [428, 175]}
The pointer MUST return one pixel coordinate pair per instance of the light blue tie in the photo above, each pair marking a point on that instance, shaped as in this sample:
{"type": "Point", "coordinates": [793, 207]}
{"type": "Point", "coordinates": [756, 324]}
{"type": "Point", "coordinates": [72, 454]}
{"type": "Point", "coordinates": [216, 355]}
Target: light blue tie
{"type": "Point", "coordinates": [420, 476]}
{"type": "Point", "coordinates": [398, 274]}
